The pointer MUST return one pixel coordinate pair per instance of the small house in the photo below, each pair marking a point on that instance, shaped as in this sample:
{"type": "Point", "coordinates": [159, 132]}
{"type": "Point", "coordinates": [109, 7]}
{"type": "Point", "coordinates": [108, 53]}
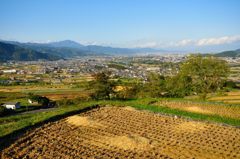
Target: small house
{"type": "Point", "coordinates": [12, 105]}
{"type": "Point", "coordinates": [30, 101]}
{"type": "Point", "coordinates": [9, 71]}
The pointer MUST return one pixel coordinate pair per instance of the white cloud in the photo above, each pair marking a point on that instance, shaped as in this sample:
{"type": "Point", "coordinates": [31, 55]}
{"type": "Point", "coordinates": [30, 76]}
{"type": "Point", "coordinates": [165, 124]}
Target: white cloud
{"type": "Point", "coordinates": [218, 41]}
{"type": "Point", "coordinates": [96, 43]}
{"type": "Point", "coordinates": [207, 41]}
{"type": "Point", "coordinates": [40, 41]}
{"type": "Point", "coordinates": [89, 43]}
{"type": "Point", "coordinates": [185, 42]}
{"type": "Point", "coordinates": [151, 44]}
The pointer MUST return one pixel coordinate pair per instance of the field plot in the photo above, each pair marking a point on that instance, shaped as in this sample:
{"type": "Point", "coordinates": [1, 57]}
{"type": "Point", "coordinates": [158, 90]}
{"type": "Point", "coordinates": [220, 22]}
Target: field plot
{"type": "Point", "coordinates": [111, 132]}
{"type": "Point", "coordinates": [230, 97]}
{"type": "Point", "coordinates": [66, 95]}
{"type": "Point", "coordinates": [33, 88]}
{"type": "Point", "coordinates": [229, 111]}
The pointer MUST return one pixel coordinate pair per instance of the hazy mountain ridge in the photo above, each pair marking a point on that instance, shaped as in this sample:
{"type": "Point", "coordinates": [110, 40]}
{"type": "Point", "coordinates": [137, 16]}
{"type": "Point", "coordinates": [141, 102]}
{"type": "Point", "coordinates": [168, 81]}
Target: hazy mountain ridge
{"type": "Point", "coordinates": [17, 53]}
{"type": "Point", "coordinates": [68, 48]}
{"type": "Point", "coordinates": [65, 43]}
{"type": "Point", "coordinates": [71, 49]}
{"type": "Point", "coordinates": [232, 53]}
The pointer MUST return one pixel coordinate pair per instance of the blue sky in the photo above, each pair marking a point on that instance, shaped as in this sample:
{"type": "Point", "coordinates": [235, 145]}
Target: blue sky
{"type": "Point", "coordinates": [192, 25]}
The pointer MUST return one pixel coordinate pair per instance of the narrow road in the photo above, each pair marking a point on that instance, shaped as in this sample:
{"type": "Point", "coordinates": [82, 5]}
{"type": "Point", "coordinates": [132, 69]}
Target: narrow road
{"type": "Point", "coordinates": [38, 111]}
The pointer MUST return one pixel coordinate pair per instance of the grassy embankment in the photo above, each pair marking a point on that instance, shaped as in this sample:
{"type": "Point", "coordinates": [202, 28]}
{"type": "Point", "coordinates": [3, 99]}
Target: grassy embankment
{"type": "Point", "coordinates": [9, 124]}
{"type": "Point", "coordinates": [148, 104]}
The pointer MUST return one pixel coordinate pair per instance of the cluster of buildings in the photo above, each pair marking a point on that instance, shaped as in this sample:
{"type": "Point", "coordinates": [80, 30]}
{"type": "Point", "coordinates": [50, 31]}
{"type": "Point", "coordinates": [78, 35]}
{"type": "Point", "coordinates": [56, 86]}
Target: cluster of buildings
{"type": "Point", "coordinates": [232, 60]}
{"type": "Point", "coordinates": [133, 67]}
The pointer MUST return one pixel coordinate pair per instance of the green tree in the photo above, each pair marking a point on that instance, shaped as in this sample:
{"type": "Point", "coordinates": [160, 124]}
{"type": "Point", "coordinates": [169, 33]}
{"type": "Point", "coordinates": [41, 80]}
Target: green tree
{"type": "Point", "coordinates": [207, 73]}
{"type": "Point", "coordinates": [178, 86]}
{"type": "Point", "coordinates": [155, 85]}
{"type": "Point", "coordinates": [132, 90]}
{"type": "Point", "coordinates": [103, 86]}
{"type": "Point", "coordinates": [40, 99]}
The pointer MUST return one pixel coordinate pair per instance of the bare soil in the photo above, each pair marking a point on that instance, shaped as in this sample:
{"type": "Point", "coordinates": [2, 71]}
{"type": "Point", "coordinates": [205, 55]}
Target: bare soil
{"type": "Point", "coordinates": [119, 132]}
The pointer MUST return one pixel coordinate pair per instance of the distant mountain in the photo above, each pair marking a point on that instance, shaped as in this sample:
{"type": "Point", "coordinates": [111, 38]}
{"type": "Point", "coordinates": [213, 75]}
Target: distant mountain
{"type": "Point", "coordinates": [66, 43]}
{"type": "Point", "coordinates": [121, 51]}
{"type": "Point", "coordinates": [108, 50]}
{"type": "Point", "coordinates": [71, 49]}
{"type": "Point", "coordinates": [17, 53]}
{"type": "Point", "coordinates": [64, 52]}
{"type": "Point", "coordinates": [234, 53]}
{"type": "Point", "coordinates": [53, 49]}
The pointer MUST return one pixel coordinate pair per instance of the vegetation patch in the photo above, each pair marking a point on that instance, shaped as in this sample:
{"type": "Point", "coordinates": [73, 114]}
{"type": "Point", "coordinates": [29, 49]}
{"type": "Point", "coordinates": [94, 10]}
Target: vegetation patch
{"type": "Point", "coordinates": [117, 66]}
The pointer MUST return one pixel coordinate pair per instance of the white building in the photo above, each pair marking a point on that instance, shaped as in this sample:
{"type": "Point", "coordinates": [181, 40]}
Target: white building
{"type": "Point", "coordinates": [9, 71]}
{"type": "Point", "coordinates": [12, 105]}
{"type": "Point", "coordinates": [30, 101]}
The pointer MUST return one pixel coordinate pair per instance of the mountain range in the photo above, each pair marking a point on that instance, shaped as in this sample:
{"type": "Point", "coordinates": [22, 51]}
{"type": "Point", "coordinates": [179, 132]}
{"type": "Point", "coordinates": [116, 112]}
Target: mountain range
{"type": "Point", "coordinates": [69, 49]}
{"type": "Point", "coordinates": [13, 50]}
{"type": "Point", "coordinates": [17, 53]}
{"type": "Point", "coordinates": [233, 53]}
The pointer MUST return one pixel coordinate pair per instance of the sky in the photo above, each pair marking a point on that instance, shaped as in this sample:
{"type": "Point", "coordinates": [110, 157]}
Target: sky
{"type": "Point", "coordinates": [190, 25]}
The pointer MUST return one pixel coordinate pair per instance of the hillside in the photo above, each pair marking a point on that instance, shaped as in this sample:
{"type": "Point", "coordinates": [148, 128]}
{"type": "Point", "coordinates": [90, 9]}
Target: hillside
{"type": "Point", "coordinates": [69, 49]}
{"type": "Point", "coordinates": [64, 52]}
{"type": "Point", "coordinates": [233, 53]}
{"type": "Point", "coordinates": [98, 49]}
{"type": "Point", "coordinates": [17, 53]}
{"type": "Point", "coordinates": [66, 43]}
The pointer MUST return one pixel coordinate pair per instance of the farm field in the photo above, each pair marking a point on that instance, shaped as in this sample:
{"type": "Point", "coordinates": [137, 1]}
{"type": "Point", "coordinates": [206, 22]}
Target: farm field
{"type": "Point", "coordinates": [232, 97]}
{"type": "Point", "coordinates": [34, 88]}
{"type": "Point", "coordinates": [110, 132]}
{"type": "Point", "coordinates": [229, 111]}
{"type": "Point", "coordinates": [54, 92]}
{"type": "Point", "coordinates": [234, 73]}
{"type": "Point", "coordinates": [66, 95]}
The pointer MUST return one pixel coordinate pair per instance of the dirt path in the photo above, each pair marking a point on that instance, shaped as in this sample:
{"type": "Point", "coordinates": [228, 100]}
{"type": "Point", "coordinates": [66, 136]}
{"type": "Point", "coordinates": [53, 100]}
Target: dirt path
{"type": "Point", "coordinates": [37, 111]}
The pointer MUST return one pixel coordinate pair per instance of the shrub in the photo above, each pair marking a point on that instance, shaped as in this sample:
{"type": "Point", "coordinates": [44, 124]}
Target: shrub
{"type": "Point", "coordinates": [230, 84]}
{"type": "Point", "coordinates": [5, 111]}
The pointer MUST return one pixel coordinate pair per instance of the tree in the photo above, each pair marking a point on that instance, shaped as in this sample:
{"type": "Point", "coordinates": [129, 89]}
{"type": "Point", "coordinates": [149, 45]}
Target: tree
{"type": "Point", "coordinates": [130, 91]}
{"type": "Point", "coordinates": [44, 101]}
{"type": "Point", "coordinates": [40, 99]}
{"type": "Point", "coordinates": [207, 73]}
{"type": "Point", "coordinates": [103, 86]}
{"type": "Point", "coordinates": [178, 86]}
{"type": "Point", "coordinates": [5, 111]}
{"type": "Point", "coordinates": [155, 85]}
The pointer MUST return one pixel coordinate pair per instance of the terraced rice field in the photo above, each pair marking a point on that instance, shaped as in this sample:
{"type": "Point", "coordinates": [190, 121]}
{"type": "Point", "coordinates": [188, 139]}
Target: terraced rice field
{"type": "Point", "coordinates": [66, 95]}
{"type": "Point", "coordinates": [203, 108]}
{"type": "Point", "coordinates": [33, 88]}
{"type": "Point", "coordinates": [230, 97]}
{"type": "Point", "coordinates": [123, 132]}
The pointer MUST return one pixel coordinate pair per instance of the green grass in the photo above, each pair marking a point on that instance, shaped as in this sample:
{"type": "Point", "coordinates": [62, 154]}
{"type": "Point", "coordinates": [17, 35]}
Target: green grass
{"type": "Point", "coordinates": [143, 104]}
{"type": "Point", "coordinates": [10, 124]}
{"type": "Point", "coordinates": [55, 90]}
{"type": "Point", "coordinates": [13, 123]}
{"type": "Point", "coordinates": [116, 66]}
